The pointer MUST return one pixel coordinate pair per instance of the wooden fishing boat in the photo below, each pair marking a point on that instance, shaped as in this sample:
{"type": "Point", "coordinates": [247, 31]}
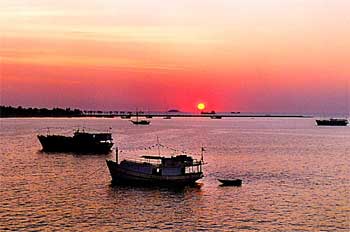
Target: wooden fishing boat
{"type": "Point", "coordinates": [177, 170]}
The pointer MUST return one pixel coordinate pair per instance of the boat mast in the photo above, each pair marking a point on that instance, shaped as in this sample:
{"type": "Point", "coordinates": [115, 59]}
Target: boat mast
{"type": "Point", "coordinates": [137, 115]}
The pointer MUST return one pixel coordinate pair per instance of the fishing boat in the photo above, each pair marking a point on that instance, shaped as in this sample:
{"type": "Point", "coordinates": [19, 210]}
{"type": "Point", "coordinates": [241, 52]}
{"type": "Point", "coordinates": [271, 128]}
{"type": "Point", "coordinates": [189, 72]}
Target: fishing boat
{"type": "Point", "coordinates": [230, 182]}
{"type": "Point", "coordinates": [80, 142]}
{"type": "Point", "coordinates": [139, 122]}
{"type": "Point", "coordinates": [179, 170]}
{"type": "Point", "coordinates": [167, 117]}
{"type": "Point", "coordinates": [332, 122]}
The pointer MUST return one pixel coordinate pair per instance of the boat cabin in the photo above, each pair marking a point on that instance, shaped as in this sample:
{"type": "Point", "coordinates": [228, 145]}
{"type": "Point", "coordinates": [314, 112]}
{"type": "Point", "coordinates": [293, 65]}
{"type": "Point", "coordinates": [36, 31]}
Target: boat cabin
{"type": "Point", "coordinates": [163, 166]}
{"type": "Point", "coordinates": [98, 137]}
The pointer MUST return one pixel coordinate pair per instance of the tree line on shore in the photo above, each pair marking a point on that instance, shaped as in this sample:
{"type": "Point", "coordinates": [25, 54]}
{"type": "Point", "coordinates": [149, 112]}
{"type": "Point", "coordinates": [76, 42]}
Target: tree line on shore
{"type": "Point", "coordinates": [10, 111]}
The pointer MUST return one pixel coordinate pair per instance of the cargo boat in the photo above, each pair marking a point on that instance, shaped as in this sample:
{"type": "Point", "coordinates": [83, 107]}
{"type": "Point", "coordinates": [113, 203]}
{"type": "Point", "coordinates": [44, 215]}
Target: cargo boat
{"type": "Point", "coordinates": [80, 142]}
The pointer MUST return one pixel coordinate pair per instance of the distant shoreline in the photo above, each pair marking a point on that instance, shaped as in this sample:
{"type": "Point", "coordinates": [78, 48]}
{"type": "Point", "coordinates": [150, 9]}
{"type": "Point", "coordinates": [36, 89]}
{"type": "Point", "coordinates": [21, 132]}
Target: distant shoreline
{"type": "Point", "coordinates": [173, 116]}
{"type": "Point", "coordinates": [16, 112]}
{"type": "Point", "coordinates": [20, 112]}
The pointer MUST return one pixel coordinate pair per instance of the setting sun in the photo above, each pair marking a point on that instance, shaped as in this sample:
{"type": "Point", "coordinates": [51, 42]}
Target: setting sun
{"type": "Point", "coordinates": [201, 106]}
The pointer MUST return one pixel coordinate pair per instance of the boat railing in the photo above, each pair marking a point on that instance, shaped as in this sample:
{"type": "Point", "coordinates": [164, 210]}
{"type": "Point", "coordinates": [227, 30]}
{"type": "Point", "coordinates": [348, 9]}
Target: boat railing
{"type": "Point", "coordinates": [144, 161]}
{"type": "Point", "coordinates": [196, 162]}
{"type": "Point", "coordinates": [158, 162]}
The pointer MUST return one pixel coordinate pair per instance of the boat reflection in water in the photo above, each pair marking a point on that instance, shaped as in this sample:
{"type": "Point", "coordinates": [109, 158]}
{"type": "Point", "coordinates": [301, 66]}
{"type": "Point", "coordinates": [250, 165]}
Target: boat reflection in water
{"type": "Point", "coordinates": [180, 170]}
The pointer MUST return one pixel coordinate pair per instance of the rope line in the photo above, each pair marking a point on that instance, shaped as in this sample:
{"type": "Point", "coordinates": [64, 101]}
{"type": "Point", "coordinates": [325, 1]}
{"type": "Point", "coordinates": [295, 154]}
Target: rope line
{"type": "Point", "coordinates": [163, 146]}
{"type": "Point", "coordinates": [94, 172]}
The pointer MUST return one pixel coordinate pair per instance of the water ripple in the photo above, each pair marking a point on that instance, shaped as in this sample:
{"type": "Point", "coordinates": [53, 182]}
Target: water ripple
{"type": "Point", "coordinates": [295, 178]}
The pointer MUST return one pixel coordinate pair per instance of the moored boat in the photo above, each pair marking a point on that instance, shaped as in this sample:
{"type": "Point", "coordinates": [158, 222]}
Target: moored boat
{"type": "Point", "coordinates": [230, 182]}
{"type": "Point", "coordinates": [80, 142]}
{"type": "Point", "coordinates": [139, 122]}
{"type": "Point", "coordinates": [332, 122]}
{"type": "Point", "coordinates": [177, 170]}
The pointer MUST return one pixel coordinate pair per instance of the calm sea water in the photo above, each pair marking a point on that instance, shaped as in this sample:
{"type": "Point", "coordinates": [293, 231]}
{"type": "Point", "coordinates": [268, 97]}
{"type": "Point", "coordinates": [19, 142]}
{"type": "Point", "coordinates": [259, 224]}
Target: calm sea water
{"type": "Point", "coordinates": [295, 175]}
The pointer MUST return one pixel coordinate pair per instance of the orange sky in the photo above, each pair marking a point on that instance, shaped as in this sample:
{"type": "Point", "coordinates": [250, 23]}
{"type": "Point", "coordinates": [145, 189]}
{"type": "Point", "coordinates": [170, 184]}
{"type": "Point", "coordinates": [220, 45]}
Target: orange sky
{"type": "Point", "coordinates": [259, 56]}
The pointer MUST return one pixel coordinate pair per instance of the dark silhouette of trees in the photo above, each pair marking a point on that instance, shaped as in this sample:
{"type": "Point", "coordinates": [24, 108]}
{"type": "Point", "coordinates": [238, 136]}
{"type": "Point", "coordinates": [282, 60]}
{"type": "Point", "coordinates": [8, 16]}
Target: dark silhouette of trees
{"type": "Point", "coordinates": [9, 111]}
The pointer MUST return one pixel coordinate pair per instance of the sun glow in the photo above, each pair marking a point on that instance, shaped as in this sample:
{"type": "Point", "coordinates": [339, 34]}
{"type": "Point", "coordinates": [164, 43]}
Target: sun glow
{"type": "Point", "coordinates": [201, 106]}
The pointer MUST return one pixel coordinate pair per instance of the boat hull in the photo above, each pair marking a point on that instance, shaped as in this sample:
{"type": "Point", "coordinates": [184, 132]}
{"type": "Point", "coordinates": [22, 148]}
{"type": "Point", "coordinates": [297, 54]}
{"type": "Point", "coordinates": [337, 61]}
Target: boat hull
{"type": "Point", "coordinates": [142, 122]}
{"type": "Point", "coordinates": [332, 122]}
{"type": "Point", "coordinates": [236, 182]}
{"type": "Point", "coordinates": [69, 144]}
{"type": "Point", "coordinates": [124, 176]}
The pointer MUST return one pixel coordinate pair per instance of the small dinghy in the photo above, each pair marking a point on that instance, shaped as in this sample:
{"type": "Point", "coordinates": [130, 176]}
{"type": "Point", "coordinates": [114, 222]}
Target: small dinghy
{"type": "Point", "coordinates": [230, 182]}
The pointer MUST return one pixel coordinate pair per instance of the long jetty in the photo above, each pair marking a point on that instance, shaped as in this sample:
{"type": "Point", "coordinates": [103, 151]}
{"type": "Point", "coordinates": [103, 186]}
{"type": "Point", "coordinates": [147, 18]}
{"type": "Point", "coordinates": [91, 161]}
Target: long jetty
{"type": "Point", "coordinates": [122, 114]}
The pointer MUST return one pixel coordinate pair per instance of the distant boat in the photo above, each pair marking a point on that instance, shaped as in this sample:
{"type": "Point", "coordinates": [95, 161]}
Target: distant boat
{"type": "Point", "coordinates": [216, 117]}
{"type": "Point", "coordinates": [125, 116]}
{"type": "Point", "coordinates": [80, 142]}
{"type": "Point", "coordinates": [140, 122]}
{"type": "Point", "coordinates": [211, 112]}
{"type": "Point", "coordinates": [177, 170]}
{"type": "Point", "coordinates": [174, 111]}
{"type": "Point", "coordinates": [332, 122]}
{"type": "Point", "coordinates": [167, 117]}
{"type": "Point", "coordinates": [229, 182]}
{"type": "Point", "coordinates": [149, 116]}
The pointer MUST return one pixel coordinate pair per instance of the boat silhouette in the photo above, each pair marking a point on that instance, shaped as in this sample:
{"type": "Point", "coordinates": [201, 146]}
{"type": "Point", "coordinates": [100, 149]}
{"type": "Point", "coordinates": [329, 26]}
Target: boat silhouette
{"type": "Point", "coordinates": [230, 182]}
{"type": "Point", "coordinates": [80, 142]}
{"type": "Point", "coordinates": [180, 170]}
{"type": "Point", "coordinates": [139, 122]}
{"type": "Point", "coordinates": [332, 122]}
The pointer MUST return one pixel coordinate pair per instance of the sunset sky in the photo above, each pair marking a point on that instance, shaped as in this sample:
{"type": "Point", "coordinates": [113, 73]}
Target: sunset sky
{"type": "Point", "coordinates": [290, 56]}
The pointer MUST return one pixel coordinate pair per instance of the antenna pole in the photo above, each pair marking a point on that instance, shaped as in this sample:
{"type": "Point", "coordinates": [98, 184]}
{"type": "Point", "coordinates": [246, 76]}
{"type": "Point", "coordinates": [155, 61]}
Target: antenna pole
{"type": "Point", "coordinates": [202, 152]}
{"type": "Point", "coordinates": [116, 154]}
{"type": "Point", "coordinates": [158, 145]}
